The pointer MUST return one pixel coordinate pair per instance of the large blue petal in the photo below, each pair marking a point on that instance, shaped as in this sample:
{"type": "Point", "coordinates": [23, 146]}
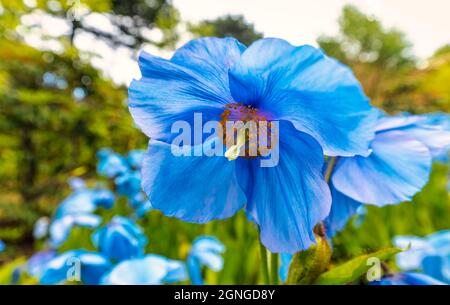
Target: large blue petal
{"type": "Point", "coordinates": [192, 188]}
{"type": "Point", "coordinates": [287, 200]}
{"type": "Point", "coordinates": [297, 84]}
{"type": "Point", "coordinates": [397, 168]}
{"type": "Point", "coordinates": [195, 80]}
{"type": "Point", "coordinates": [342, 209]}
{"type": "Point", "coordinates": [211, 57]}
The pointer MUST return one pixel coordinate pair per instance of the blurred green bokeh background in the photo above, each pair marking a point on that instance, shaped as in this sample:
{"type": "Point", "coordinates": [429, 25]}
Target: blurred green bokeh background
{"type": "Point", "coordinates": [57, 110]}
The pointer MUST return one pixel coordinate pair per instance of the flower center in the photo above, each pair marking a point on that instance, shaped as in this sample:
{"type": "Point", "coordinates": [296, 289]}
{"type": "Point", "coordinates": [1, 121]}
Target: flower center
{"type": "Point", "coordinates": [247, 132]}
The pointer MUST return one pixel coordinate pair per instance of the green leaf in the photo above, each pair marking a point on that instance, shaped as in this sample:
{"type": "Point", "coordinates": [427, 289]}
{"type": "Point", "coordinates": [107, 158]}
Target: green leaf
{"type": "Point", "coordinates": [307, 265]}
{"type": "Point", "coordinates": [354, 268]}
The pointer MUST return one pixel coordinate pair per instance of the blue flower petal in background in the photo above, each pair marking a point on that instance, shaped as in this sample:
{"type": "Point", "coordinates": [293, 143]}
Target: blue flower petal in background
{"type": "Point", "coordinates": [40, 228]}
{"type": "Point", "coordinates": [36, 265]}
{"type": "Point", "coordinates": [147, 270]}
{"type": "Point", "coordinates": [111, 164]}
{"type": "Point", "coordinates": [342, 209]}
{"type": "Point", "coordinates": [430, 254]}
{"type": "Point", "coordinates": [135, 158]}
{"type": "Point", "coordinates": [120, 239]}
{"type": "Point", "coordinates": [434, 134]}
{"type": "Point", "coordinates": [412, 258]}
{"type": "Point", "coordinates": [408, 278]}
{"type": "Point", "coordinates": [129, 183]}
{"type": "Point", "coordinates": [398, 167]}
{"type": "Point", "coordinates": [60, 228]}
{"type": "Point", "coordinates": [2, 246]}
{"type": "Point", "coordinates": [76, 183]}
{"type": "Point", "coordinates": [206, 251]}
{"type": "Point", "coordinates": [286, 259]}
{"type": "Point", "coordinates": [80, 201]}
{"type": "Point", "coordinates": [87, 266]}
{"type": "Point", "coordinates": [104, 198]}
{"type": "Point", "coordinates": [175, 270]}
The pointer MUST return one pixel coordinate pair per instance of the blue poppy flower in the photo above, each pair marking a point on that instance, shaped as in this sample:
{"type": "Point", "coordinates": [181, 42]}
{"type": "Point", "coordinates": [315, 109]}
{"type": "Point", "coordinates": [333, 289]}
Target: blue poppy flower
{"type": "Point", "coordinates": [111, 164]}
{"type": "Point", "coordinates": [36, 265]}
{"type": "Point", "coordinates": [2, 246]}
{"type": "Point", "coordinates": [89, 267]}
{"type": "Point", "coordinates": [286, 259]}
{"type": "Point", "coordinates": [430, 254]}
{"type": "Point", "coordinates": [135, 158]}
{"type": "Point", "coordinates": [40, 228]}
{"type": "Point", "coordinates": [271, 80]}
{"type": "Point", "coordinates": [148, 270]}
{"type": "Point", "coordinates": [120, 239]}
{"type": "Point", "coordinates": [206, 251]}
{"type": "Point", "coordinates": [407, 278]}
{"type": "Point", "coordinates": [61, 227]}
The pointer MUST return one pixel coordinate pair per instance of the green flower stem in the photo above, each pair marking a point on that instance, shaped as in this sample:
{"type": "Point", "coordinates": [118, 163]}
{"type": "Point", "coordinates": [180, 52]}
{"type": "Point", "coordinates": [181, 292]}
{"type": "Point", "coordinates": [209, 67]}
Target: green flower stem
{"type": "Point", "coordinates": [274, 268]}
{"type": "Point", "coordinates": [330, 168]}
{"type": "Point", "coordinates": [263, 263]}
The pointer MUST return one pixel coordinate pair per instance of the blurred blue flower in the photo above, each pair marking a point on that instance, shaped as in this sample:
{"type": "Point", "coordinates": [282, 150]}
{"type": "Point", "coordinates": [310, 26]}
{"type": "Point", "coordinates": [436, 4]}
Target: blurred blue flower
{"type": "Point", "coordinates": [2, 246]}
{"type": "Point", "coordinates": [104, 198]}
{"type": "Point", "coordinates": [135, 158]}
{"type": "Point", "coordinates": [76, 183]}
{"type": "Point", "coordinates": [120, 239]}
{"type": "Point", "coordinates": [111, 164]}
{"type": "Point", "coordinates": [141, 204]}
{"type": "Point", "coordinates": [286, 259]}
{"type": "Point", "coordinates": [148, 270]}
{"type": "Point", "coordinates": [60, 227]}
{"type": "Point", "coordinates": [407, 278]}
{"type": "Point", "coordinates": [206, 251]}
{"type": "Point", "coordinates": [430, 254]}
{"type": "Point", "coordinates": [129, 183]}
{"type": "Point", "coordinates": [40, 228]}
{"type": "Point", "coordinates": [89, 267]}
{"type": "Point", "coordinates": [271, 79]}
{"type": "Point", "coordinates": [36, 265]}
{"type": "Point", "coordinates": [83, 201]}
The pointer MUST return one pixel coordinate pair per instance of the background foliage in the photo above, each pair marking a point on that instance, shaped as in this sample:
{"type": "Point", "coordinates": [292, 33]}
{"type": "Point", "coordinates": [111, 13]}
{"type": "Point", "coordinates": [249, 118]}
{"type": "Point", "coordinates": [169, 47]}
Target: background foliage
{"type": "Point", "coordinates": [57, 110]}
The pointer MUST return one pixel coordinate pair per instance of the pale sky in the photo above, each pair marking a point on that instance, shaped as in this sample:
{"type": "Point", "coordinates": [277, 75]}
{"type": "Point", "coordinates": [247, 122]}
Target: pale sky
{"type": "Point", "coordinates": [426, 24]}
